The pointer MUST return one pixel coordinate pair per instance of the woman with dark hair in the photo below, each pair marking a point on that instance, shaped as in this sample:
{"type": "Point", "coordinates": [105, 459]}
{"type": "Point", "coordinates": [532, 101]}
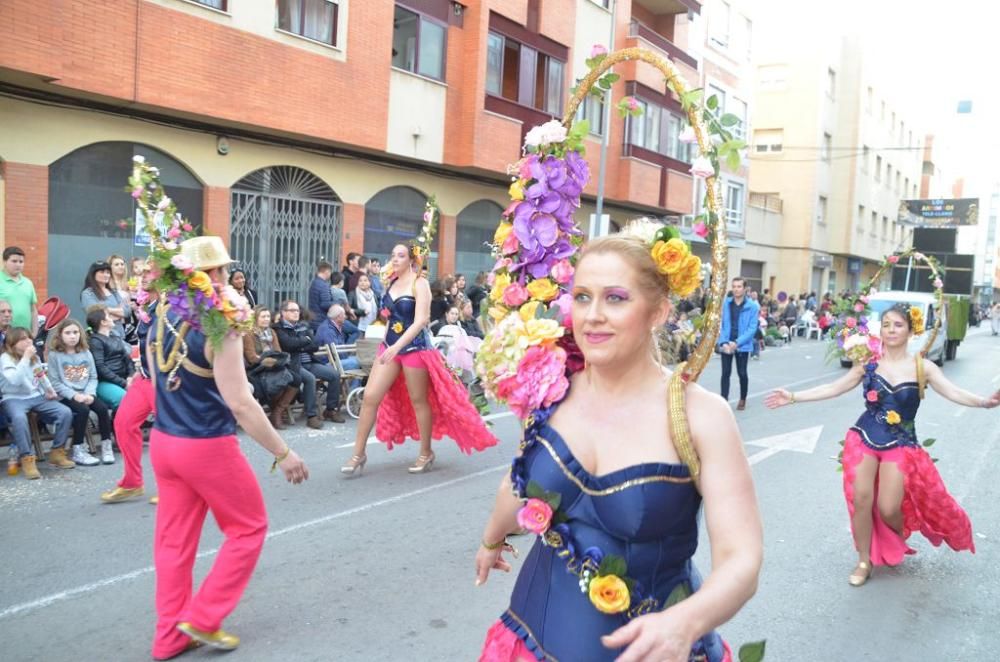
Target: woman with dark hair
{"type": "Point", "coordinates": [410, 389]}
{"type": "Point", "coordinates": [99, 289]}
{"type": "Point", "coordinates": [477, 292]}
{"type": "Point", "coordinates": [439, 303]}
{"type": "Point", "coordinates": [238, 279]}
{"type": "Point", "coordinates": [256, 345]}
{"type": "Point", "coordinates": [891, 485]}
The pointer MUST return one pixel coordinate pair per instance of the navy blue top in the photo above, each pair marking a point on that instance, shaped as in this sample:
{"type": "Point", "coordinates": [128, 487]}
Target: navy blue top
{"type": "Point", "coordinates": [195, 409]}
{"type": "Point", "coordinates": [142, 331]}
{"type": "Point", "coordinates": [903, 398]}
{"type": "Point", "coordinates": [402, 312]}
{"type": "Point", "coordinates": [646, 514]}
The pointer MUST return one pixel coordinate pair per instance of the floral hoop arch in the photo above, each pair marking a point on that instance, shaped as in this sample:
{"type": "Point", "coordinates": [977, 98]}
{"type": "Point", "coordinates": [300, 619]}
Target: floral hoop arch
{"type": "Point", "coordinates": [891, 261]}
{"type": "Point", "coordinates": [690, 370]}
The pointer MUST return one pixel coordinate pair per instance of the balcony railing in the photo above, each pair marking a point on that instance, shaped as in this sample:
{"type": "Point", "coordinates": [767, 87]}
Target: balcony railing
{"type": "Point", "coordinates": [529, 117]}
{"type": "Point", "coordinates": [768, 201]}
{"type": "Point", "coordinates": [637, 28]}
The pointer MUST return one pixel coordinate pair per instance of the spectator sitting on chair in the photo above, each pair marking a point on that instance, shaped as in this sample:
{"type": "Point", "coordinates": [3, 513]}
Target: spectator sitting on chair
{"type": "Point", "coordinates": [469, 322]}
{"type": "Point", "coordinates": [337, 330]}
{"type": "Point", "coordinates": [99, 289]}
{"type": "Point", "coordinates": [6, 315]}
{"type": "Point", "coordinates": [74, 377]}
{"type": "Point", "coordinates": [255, 343]}
{"type": "Point", "coordinates": [26, 388]}
{"type": "Point", "coordinates": [825, 322]}
{"type": "Point", "coordinates": [112, 357]}
{"type": "Point", "coordinates": [297, 339]}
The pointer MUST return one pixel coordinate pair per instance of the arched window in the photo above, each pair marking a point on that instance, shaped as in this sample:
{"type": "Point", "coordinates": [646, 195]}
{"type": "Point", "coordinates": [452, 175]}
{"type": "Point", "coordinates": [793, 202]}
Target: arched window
{"type": "Point", "coordinates": [476, 225]}
{"type": "Point", "coordinates": [395, 216]}
{"type": "Point", "coordinates": [91, 215]}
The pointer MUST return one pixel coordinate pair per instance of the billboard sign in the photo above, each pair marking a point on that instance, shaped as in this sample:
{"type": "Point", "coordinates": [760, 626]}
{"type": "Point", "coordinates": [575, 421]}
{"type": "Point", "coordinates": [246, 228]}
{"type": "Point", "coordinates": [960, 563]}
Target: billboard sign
{"type": "Point", "coordinates": [938, 213]}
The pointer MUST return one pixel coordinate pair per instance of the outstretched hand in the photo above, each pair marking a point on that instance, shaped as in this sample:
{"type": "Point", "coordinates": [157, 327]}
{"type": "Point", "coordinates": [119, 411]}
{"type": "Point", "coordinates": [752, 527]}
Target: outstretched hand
{"type": "Point", "coordinates": [992, 401]}
{"type": "Point", "coordinates": [779, 397]}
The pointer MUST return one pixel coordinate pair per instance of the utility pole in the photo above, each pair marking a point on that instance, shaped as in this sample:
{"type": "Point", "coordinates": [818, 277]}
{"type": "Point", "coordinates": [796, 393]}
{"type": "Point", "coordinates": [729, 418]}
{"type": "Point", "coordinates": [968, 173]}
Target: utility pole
{"type": "Point", "coordinates": [598, 226]}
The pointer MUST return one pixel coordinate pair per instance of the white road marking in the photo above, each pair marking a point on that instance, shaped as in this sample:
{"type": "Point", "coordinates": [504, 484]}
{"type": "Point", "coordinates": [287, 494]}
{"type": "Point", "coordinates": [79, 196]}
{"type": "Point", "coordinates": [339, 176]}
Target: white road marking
{"type": "Point", "coordinates": [61, 596]}
{"type": "Point", "coordinates": [960, 412]}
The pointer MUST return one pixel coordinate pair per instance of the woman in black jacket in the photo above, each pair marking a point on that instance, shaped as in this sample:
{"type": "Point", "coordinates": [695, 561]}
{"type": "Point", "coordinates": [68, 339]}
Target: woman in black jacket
{"type": "Point", "coordinates": [112, 356]}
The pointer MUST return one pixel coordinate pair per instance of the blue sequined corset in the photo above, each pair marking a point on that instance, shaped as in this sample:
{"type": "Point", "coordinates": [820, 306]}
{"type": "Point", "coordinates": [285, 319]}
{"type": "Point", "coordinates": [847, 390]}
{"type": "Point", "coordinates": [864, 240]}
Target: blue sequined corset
{"type": "Point", "coordinates": [195, 409]}
{"type": "Point", "coordinates": [402, 312]}
{"type": "Point", "coordinates": [903, 398]}
{"type": "Point", "coordinates": [646, 514]}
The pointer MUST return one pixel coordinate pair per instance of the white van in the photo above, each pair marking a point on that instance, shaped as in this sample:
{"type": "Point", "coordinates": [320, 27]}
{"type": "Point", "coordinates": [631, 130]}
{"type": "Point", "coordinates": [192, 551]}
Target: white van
{"type": "Point", "coordinates": [883, 301]}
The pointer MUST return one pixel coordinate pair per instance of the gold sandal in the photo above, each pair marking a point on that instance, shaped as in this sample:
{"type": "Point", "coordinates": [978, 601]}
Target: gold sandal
{"type": "Point", "coordinates": [861, 574]}
{"type": "Point", "coordinates": [422, 465]}
{"type": "Point", "coordinates": [355, 466]}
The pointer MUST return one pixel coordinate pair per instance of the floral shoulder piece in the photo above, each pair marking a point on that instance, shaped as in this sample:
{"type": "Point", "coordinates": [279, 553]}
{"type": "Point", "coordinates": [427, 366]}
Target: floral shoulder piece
{"type": "Point", "coordinates": [216, 310]}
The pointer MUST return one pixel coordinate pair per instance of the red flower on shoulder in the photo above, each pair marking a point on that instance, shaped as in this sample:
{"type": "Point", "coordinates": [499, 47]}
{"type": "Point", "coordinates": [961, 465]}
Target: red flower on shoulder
{"type": "Point", "coordinates": [872, 396]}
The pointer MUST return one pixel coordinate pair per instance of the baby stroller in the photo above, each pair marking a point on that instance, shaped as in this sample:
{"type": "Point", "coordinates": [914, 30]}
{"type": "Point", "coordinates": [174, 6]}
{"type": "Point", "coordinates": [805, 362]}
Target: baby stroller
{"type": "Point", "coordinates": [459, 350]}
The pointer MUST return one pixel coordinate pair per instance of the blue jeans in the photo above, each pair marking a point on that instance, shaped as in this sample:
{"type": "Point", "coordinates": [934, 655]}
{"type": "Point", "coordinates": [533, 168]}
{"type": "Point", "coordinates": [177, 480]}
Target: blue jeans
{"type": "Point", "coordinates": [328, 374]}
{"type": "Point", "coordinates": [49, 411]}
{"type": "Point", "coordinates": [351, 363]}
{"type": "Point", "coordinates": [306, 384]}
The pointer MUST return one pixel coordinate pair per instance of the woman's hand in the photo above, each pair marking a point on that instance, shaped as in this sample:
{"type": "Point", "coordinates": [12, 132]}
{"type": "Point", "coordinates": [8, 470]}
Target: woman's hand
{"type": "Point", "coordinates": [992, 401]}
{"type": "Point", "coordinates": [388, 355]}
{"type": "Point", "coordinates": [51, 395]}
{"type": "Point", "coordinates": [779, 397]}
{"type": "Point", "coordinates": [81, 398]}
{"type": "Point", "coordinates": [29, 352]}
{"type": "Point", "coordinates": [294, 468]}
{"type": "Point", "coordinates": [492, 559]}
{"type": "Point", "coordinates": [657, 637]}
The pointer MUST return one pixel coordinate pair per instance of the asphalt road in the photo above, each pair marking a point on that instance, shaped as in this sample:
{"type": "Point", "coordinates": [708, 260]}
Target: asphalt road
{"type": "Point", "coordinates": [380, 567]}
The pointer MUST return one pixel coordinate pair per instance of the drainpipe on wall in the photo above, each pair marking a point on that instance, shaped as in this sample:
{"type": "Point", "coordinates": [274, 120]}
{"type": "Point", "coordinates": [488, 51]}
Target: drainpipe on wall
{"type": "Point", "coordinates": [598, 224]}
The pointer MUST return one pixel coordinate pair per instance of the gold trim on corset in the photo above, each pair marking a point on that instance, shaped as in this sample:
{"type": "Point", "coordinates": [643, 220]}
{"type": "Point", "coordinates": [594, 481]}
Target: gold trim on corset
{"type": "Point", "coordinates": [517, 619]}
{"type": "Point", "coordinates": [614, 488]}
{"type": "Point", "coordinates": [921, 378]}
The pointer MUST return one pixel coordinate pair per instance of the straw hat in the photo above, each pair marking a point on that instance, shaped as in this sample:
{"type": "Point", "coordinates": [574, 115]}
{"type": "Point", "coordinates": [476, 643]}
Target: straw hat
{"type": "Point", "coordinates": [207, 252]}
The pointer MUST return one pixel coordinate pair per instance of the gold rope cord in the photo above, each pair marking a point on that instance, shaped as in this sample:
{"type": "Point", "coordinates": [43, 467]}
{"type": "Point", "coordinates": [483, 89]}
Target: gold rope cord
{"type": "Point", "coordinates": [720, 270]}
{"type": "Point", "coordinates": [680, 431]}
{"type": "Point", "coordinates": [921, 378]}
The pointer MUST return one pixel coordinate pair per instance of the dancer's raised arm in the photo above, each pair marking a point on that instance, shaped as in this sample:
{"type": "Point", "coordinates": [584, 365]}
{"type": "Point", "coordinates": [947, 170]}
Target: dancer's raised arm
{"type": "Point", "coordinates": [780, 397]}
{"type": "Point", "coordinates": [958, 395]}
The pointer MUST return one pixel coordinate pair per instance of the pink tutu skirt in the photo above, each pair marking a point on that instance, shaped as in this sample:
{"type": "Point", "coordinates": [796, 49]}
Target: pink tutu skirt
{"type": "Point", "coordinates": [927, 506]}
{"type": "Point", "coordinates": [454, 414]}
{"type": "Point", "coordinates": [502, 645]}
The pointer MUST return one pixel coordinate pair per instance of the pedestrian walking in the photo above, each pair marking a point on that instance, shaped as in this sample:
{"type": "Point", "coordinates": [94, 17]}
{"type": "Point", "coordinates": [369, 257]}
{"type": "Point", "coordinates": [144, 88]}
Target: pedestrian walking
{"type": "Point", "coordinates": [995, 318]}
{"type": "Point", "coordinates": [736, 338]}
{"type": "Point", "coordinates": [891, 484]}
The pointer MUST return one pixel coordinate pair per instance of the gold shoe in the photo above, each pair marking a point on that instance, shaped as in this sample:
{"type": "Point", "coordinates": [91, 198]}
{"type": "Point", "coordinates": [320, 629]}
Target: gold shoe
{"type": "Point", "coordinates": [219, 639]}
{"type": "Point", "coordinates": [355, 466]}
{"type": "Point", "coordinates": [422, 465]}
{"type": "Point", "coordinates": [860, 574]}
{"type": "Point", "coordinates": [155, 499]}
{"type": "Point", "coordinates": [121, 494]}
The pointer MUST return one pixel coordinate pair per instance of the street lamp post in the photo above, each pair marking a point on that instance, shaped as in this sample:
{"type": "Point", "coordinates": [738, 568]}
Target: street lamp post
{"type": "Point", "coordinates": [598, 224]}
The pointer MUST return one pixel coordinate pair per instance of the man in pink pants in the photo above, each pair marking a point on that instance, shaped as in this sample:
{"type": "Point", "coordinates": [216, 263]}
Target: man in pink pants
{"type": "Point", "coordinates": [200, 467]}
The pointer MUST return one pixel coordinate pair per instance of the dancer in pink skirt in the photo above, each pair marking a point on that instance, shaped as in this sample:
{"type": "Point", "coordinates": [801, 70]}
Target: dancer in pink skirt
{"type": "Point", "coordinates": [890, 482]}
{"type": "Point", "coordinates": [410, 388]}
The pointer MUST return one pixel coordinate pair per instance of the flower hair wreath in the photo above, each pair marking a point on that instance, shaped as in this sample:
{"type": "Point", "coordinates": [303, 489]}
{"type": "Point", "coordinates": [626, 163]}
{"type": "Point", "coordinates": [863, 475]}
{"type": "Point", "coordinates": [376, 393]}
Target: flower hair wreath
{"type": "Point", "coordinates": [671, 254]}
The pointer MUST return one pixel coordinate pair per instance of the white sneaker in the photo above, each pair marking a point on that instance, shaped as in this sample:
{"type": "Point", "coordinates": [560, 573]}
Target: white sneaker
{"type": "Point", "coordinates": [83, 457]}
{"type": "Point", "coordinates": [107, 453]}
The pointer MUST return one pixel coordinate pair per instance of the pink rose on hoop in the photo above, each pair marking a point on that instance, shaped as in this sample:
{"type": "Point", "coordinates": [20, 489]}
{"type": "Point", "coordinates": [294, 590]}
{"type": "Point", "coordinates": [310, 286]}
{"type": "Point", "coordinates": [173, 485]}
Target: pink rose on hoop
{"type": "Point", "coordinates": [515, 295]}
{"type": "Point", "coordinates": [892, 259]}
{"type": "Point", "coordinates": [562, 271]}
{"type": "Point", "coordinates": [539, 381]}
{"type": "Point", "coordinates": [535, 516]}
{"type": "Point", "coordinates": [850, 322]}
{"type": "Point", "coordinates": [859, 307]}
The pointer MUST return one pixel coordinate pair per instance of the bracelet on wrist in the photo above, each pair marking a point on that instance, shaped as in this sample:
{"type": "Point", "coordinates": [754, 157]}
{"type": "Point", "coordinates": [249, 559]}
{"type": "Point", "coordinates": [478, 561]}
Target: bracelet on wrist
{"type": "Point", "coordinates": [278, 459]}
{"type": "Point", "coordinates": [494, 545]}
{"type": "Point", "coordinates": [791, 397]}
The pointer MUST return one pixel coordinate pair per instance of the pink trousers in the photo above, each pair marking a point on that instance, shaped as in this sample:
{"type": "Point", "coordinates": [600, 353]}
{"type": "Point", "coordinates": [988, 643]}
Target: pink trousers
{"type": "Point", "coordinates": [195, 476]}
{"type": "Point", "coordinates": [139, 402]}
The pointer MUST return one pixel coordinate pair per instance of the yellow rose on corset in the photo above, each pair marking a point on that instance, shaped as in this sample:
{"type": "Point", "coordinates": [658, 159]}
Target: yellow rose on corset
{"type": "Point", "coordinates": [609, 594]}
{"type": "Point", "coordinates": [397, 327]}
{"type": "Point", "coordinates": [543, 289]}
{"type": "Point", "coordinates": [199, 280]}
{"type": "Point", "coordinates": [892, 417]}
{"type": "Point", "coordinates": [500, 284]}
{"type": "Point", "coordinates": [669, 255]}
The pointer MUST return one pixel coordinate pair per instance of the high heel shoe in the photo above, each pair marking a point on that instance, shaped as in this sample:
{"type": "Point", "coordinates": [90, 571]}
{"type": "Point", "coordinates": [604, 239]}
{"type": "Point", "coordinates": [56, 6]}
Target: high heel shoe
{"type": "Point", "coordinates": [422, 465]}
{"type": "Point", "coordinates": [861, 574]}
{"type": "Point", "coordinates": [355, 466]}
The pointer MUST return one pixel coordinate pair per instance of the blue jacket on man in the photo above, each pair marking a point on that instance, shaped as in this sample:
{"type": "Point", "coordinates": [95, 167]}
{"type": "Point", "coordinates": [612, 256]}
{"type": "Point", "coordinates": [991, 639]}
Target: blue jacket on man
{"type": "Point", "coordinates": [746, 326]}
{"type": "Point", "coordinates": [320, 300]}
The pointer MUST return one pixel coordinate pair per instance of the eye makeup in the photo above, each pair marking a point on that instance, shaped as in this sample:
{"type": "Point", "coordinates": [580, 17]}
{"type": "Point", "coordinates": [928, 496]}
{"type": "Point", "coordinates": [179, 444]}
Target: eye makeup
{"type": "Point", "coordinates": [619, 292]}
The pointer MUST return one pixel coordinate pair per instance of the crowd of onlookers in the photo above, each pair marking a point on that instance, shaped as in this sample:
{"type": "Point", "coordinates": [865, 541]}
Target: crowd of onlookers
{"type": "Point", "coordinates": [64, 372]}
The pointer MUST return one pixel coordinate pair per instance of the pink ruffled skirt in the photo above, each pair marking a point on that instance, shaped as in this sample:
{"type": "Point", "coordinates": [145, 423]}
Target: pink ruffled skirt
{"type": "Point", "coordinates": [927, 506]}
{"type": "Point", "coordinates": [454, 415]}
{"type": "Point", "coordinates": [502, 645]}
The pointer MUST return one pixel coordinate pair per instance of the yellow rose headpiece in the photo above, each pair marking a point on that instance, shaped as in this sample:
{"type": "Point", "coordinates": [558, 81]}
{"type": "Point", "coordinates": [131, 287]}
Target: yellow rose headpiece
{"type": "Point", "coordinates": [671, 254]}
{"type": "Point", "coordinates": [917, 320]}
